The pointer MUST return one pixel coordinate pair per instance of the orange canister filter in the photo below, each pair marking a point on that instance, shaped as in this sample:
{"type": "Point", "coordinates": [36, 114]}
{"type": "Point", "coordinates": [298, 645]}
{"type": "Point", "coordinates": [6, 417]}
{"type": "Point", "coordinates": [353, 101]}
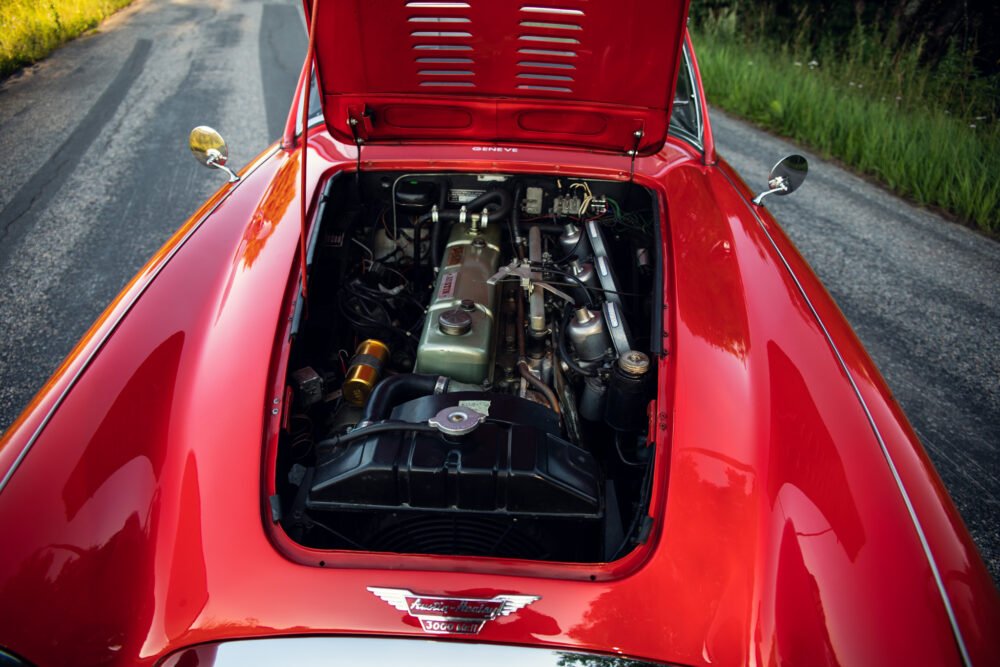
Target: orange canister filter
{"type": "Point", "coordinates": [364, 371]}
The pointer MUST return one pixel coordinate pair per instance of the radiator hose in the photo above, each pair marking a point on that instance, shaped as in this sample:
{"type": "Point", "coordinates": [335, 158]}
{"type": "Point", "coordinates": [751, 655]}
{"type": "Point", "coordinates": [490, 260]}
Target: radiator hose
{"type": "Point", "coordinates": [395, 389]}
{"type": "Point", "coordinates": [497, 203]}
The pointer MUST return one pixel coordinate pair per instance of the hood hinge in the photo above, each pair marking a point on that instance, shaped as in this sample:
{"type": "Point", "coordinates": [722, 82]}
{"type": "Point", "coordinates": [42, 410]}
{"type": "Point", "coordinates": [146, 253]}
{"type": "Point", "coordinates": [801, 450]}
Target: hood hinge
{"type": "Point", "coordinates": [637, 136]}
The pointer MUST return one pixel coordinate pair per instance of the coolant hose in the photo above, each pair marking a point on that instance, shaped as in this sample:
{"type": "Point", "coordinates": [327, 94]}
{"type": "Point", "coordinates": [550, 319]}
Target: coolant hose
{"type": "Point", "coordinates": [436, 243]}
{"type": "Point", "coordinates": [499, 197]}
{"type": "Point", "coordinates": [501, 208]}
{"type": "Point", "coordinates": [418, 225]}
{"type": "Point", "coordinates": [395, 389]}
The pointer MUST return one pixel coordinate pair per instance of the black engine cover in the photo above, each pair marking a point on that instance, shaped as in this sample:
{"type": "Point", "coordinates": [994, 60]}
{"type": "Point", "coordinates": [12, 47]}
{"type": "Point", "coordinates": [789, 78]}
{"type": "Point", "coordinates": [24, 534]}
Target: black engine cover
{"type": "Point", "coordinates": [513, 464]}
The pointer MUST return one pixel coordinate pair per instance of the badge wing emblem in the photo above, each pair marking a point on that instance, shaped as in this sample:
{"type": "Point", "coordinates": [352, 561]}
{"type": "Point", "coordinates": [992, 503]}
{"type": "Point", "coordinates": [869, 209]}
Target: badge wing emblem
{"type": "Point", "coordinates": [394, 596]}
{"type": "Point", "coordinates": [512, 603]}
{"type": "Point", "coordinates": [446, 615]}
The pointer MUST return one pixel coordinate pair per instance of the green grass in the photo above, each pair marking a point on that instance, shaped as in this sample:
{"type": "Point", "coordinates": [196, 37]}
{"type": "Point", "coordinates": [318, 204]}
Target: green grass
{"type": "Point", "coordinates": [931, 136]}
{"type": "Point", "coordinates": [31, 29]}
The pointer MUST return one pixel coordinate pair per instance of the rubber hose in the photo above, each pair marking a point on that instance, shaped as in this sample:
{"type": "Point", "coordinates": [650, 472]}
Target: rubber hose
{"type": "Point", "coordinates": [381, 427]}
{"type": "Point", "coordinates": [501, 210]}
{"type": "Point", "coordinates": [423, 220]}
{"type": "Point", "coordinates": [393, 390]}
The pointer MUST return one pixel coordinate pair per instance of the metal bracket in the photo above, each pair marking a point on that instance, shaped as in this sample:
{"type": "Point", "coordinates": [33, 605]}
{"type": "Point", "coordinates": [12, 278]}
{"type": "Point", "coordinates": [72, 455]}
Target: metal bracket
{"type": "Point", "coordinates": [524, 273]}
{"type": "Point", "coordinates": [215, 160]}
{"type": "Point", "coordinates": [602, 262]}
{"type": "Point", "coordinates": [777, 184]}
{"type": "Point", "coordinates": [618, 328]}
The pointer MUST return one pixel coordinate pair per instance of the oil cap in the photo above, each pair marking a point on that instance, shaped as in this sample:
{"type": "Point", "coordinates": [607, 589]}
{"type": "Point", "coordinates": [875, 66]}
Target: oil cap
{"type": "Point", "coordinates": [455, 322]}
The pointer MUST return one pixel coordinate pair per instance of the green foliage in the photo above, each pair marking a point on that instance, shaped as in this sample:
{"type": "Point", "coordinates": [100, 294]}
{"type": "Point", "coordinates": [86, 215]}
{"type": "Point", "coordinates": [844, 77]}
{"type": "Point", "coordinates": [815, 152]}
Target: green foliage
{"type": "Point", "coordinates": [31, 29]}
{"type": "Point", "coordinates": [957, 43]}
{"type": "Point", "coordinates": [882, 113]}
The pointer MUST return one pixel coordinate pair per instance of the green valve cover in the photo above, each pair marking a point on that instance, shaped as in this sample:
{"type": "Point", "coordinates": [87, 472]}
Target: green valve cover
{"type": "Point", "coordinates": [449, 345]}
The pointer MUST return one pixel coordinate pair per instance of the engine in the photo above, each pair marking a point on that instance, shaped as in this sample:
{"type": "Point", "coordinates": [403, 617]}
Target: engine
{"type": "Point", "coordinates": [475, 368]}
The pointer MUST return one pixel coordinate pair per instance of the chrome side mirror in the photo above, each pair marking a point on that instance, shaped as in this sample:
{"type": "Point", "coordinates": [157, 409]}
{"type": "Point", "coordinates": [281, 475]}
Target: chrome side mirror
{"type": "Point", "coordinates": [785, 177]}
{"type": "Point", "coordinates": [209, 148]}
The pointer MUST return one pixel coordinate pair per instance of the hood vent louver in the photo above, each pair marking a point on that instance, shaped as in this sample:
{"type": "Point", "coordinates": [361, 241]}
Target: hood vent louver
{"type": "Point", "coordinates": [551, 26]}
{"type": "Point", "coordinates": [438, 19]}
{"type": "Point", "coordinates": [549, 38]}
{"type": "Point", "coordinates": [539, 81]}
{"type": "Point", "coordinates": [437, 5]}
{"type": "Point", "coordinates": [559, 11]}
{"type": "Point", "coordinates": [531, 63]}
{"type": "Point", "coordinates": [447, 76]}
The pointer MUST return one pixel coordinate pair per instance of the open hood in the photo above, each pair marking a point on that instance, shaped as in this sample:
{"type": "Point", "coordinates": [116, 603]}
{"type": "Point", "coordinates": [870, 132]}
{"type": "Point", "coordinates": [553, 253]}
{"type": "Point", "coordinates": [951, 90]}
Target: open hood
{"type": "Point", "coordinates": [579, 73]}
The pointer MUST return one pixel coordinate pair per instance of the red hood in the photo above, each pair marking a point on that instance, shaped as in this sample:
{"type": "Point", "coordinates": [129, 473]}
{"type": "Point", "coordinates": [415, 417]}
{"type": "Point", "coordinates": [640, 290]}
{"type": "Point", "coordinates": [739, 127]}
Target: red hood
{"type": "Point", "coordinates": [578, 73]}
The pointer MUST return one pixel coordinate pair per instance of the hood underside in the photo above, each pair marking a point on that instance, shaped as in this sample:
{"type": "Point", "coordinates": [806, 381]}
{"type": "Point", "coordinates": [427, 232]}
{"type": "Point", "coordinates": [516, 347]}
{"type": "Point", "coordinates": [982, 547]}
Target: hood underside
{"type": "Point", "coordinates": [573, 73]}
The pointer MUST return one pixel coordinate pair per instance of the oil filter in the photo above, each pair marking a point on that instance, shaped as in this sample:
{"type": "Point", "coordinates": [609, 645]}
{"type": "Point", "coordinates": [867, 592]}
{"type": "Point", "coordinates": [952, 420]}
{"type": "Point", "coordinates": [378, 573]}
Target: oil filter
{"type": "Point", "coordinates": [364, 371]}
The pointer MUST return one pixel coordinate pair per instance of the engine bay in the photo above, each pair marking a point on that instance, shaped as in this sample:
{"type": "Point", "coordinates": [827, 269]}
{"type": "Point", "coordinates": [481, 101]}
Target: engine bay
{"type": "Point", "coordinates": [473, 369]}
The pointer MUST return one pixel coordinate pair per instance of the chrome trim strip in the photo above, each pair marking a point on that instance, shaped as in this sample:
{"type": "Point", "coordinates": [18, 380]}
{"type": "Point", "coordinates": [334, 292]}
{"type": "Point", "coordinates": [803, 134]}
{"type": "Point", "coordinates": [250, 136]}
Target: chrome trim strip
{"type": "Point", "coordinates": [696, 99]}
{"type": "Point", "coordinates": [698, 142]}
{"type": "Point", "coordinates": [959, 640]}
{"type": "Point", "coordinates": [114, 326]}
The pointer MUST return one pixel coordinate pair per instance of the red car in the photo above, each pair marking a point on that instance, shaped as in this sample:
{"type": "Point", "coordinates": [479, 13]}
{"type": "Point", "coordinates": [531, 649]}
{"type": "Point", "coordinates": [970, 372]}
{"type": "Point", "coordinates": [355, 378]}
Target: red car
{"type": "Point", "coordinates": [496, 362]}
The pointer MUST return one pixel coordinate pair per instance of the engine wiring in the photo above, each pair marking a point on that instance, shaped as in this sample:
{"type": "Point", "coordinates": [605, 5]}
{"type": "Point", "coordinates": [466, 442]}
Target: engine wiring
{"type": "Point", "coordinates": [378, 299]}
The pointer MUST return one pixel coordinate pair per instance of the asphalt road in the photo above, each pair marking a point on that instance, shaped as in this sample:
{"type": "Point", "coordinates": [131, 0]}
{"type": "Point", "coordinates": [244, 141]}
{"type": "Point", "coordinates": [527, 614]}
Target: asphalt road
{"type": "Point", "coordinates": [96, 171]}
{"type": "Point", "coordinates": [97, 176]}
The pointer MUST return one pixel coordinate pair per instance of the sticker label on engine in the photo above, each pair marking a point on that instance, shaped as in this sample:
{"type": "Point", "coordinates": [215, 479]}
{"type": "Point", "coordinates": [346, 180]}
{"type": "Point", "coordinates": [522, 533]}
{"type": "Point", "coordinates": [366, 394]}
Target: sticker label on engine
{"type": "Point", "coordinates": [482, 407]}
{"type": "Point", "coordinates": [463, 195]}
{"type": "Point", "coordinates": [447, 290]}
{"type": "Point", "coordinates": [455, 255]}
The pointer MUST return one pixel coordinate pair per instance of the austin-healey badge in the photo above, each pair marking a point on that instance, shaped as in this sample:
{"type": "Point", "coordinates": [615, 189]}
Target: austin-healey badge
{"type": "Point", "coordinates": [447, 615]}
